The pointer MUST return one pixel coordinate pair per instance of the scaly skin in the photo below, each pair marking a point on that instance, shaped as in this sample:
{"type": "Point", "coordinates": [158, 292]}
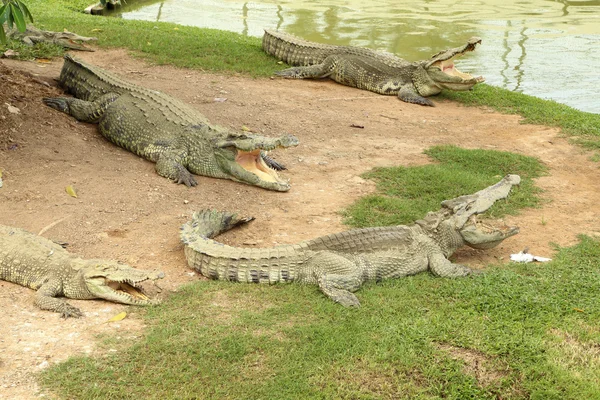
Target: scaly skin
{"type": "Point", "coordinates": [340, 263]}
{"type": "Point", "coordinates": [166, 131]}
{"type": "Point", "coordinates": [379, 72]}
{"type": "Point", "coordinates": [40, 264]}
{"type": "Point", "coordinates": [66, 39]}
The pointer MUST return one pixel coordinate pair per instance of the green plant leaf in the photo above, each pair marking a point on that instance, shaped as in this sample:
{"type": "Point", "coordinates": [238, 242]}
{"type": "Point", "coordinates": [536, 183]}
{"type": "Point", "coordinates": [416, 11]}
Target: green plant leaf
{"type": "Point", "coordinates": [2, 12]}
{"type": "Point", "coordinates": [17, 14]}
{"type": "Point", "coordinates": [25, 10]}
{"type": "Point", "coordinates": [9, 17]}
{"type": "Point", "coordinates": [2, 34]}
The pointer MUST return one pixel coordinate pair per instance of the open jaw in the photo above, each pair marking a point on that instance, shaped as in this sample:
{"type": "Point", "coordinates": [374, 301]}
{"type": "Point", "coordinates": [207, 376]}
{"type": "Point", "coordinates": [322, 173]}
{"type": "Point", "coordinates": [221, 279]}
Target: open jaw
{"type": "Point", "coordinates": [125, 292]}
{"type": "Point", "coordinates": [253, 162]}
{"type": "Point", "coordinates": [442, 70]}
{"type": "Point", "coordinates": [446, 75]}
{"type": "Point", "coordinates": [485, 235]}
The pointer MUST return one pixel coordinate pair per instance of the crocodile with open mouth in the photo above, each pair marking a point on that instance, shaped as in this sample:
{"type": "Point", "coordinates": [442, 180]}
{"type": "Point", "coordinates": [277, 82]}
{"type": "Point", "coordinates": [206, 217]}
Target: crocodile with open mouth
{"type": "Point", "coordinates": [40, 264]}
{"type": "Point", "coordinates": [167, 131]}
{"type": "Point", "coordinates": [377, 71]}
{"type": "Point", "coordinates": [341, 262]}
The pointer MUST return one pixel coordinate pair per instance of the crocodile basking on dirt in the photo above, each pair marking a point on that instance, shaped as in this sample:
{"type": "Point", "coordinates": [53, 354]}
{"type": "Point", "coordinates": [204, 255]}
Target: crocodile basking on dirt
{"type": "Point", "coordinates": [166, 131]}
{"type": "Point", "coordinates": [340, 263]}
{"type": "Point", "coordinates": [377, 71]}
{"type": "Point", "coordinates": [40, 264]}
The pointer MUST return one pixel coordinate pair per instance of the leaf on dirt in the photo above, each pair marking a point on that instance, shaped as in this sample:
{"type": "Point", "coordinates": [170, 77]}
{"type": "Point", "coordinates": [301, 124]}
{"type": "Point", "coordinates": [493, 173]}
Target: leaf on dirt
{"type": "Point", "coordinates": [71, 191]}
{"type": "Point", "coordinates": [245, 128]}
{"type": "Point", "coordinates": [118, 317]}
{"type": "Point", "coordinates": [220, 99]}
{"type": "Point", "coordinates": [12, 109]}
{"type": "Point", "coordinates": [43, 60]}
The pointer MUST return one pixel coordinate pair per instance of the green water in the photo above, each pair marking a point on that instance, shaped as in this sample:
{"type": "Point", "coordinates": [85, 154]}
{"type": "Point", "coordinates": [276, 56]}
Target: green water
{"type": "Point", "coordinates": [549, 49]}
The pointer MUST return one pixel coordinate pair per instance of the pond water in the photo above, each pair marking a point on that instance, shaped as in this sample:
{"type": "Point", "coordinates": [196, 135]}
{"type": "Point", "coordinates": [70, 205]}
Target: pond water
{"type": "Point", "coordinates": [549, 49]}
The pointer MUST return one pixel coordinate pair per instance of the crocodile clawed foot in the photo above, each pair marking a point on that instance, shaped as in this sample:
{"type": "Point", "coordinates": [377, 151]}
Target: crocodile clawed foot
{"type": "Point", "coordinates": [186, 178]}
{"type": "Point", "coordinates": [58, 103]}
{"type": "Point", "coordinates": [291, 73]}
{"type": "Point", "coordinates": [70, 311]}
{"type": "Point", "coordinates": [346, 298]}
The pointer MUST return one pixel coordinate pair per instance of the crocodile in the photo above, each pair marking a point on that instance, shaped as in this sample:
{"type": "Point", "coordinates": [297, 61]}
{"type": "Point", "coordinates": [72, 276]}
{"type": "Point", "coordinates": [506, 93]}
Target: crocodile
{"type": "Point", "coordinates": [40, 264]}
{"type": "Point", "coordinates": [377, 71]}
{"type": "Point", "coordinates": [340, 263]}
{"type": "Point", "coordinates": [66, 39]}
{"type": "Point", "coordinates": [164, 130]}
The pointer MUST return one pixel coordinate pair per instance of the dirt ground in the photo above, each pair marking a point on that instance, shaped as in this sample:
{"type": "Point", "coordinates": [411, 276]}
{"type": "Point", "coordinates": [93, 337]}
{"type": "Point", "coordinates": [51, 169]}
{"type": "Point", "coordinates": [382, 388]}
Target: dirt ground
{"type": "Point", "coordinates": [125, 211]}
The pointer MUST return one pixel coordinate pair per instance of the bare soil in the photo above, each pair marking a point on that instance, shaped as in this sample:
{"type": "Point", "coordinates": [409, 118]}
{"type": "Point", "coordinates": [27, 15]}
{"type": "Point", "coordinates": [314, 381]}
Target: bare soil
{"type": "Point", "coordinates": [125, 211]}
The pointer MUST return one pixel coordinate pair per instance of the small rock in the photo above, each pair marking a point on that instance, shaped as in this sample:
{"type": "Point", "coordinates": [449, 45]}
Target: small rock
{"type": "Point", "coordinates": [10, 54]}
{"type": "Point", "coordinates": [12, 109]}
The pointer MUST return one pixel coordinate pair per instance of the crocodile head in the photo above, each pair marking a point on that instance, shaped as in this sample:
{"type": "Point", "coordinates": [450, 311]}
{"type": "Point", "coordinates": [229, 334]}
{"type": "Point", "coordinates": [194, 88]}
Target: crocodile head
{"type": "Point", "coordinates": [483, 235]}
{"type": "Point", "coordinates": [456, 224]}
{"type": "Point", "coordinates": [442, 71]}
{"type": "Point", "coordinates": [116, 282]}
{"type": "Point", "coordinates": [239, 157]}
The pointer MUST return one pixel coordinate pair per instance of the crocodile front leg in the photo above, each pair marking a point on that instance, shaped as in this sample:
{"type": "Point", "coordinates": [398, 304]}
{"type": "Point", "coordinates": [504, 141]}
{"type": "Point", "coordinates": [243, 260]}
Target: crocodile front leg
{"type": "Point", "coordinates": [170, 165]}
{"type": "Point", "coordinates": [409, 94]}
{"type": "Point", "coordinates": [84, 111]}
{"type": "Point", "coordinates": [441, 266]}
{"type": "Point", "coordinates": [46, 300]}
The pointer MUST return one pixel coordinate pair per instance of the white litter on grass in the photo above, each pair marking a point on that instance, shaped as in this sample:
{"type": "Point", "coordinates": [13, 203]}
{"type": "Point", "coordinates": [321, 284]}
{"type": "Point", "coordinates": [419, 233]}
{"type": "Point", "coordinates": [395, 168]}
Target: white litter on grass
{"type": "Point", "coordinates": [525, 257]}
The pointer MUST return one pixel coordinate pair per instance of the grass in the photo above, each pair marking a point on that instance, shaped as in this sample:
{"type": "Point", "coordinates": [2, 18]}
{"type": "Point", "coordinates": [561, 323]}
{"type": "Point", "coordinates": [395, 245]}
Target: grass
{"type": "Point", "coordinates": [405, 194]}
{"type": "Point", "coordinates": [583, 126]}
{"type": "Point", "coordinates": [517, 332]}
{"type": "Point", "coordinates": [226, 52]}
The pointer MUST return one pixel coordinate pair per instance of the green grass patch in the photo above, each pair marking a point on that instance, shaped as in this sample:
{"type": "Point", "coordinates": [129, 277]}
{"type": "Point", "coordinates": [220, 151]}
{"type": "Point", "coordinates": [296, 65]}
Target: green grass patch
{"type": "Point", "coordinates": [158, 42]}
{"type": "Point", "coordinates": [516, 332]}
{"type": "Point", "coordinates": [405, 194]}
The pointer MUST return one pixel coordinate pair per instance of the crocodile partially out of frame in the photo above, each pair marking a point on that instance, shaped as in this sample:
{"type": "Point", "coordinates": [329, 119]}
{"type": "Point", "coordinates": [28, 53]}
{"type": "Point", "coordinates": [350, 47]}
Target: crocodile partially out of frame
{"type": "Point", "coordinates": [167, 131]}
{"type": "Point", "coordinates": [377, 71]}
{"type": "Point", "coordinates": [66, 39]}
{"type": "Point", "coordinates": [40, 264]}
{"type": "Point", "coordinates": [340, 263]}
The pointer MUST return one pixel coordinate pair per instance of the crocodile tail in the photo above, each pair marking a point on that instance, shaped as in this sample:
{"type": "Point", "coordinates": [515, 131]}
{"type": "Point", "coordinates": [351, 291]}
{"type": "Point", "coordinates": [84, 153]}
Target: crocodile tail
{"type": "Point", "coordinates": [294, 50]}
{"type": "Point", "coordinates": [218, 261]}
{"type": "Point", "coordinates": [210, 223]}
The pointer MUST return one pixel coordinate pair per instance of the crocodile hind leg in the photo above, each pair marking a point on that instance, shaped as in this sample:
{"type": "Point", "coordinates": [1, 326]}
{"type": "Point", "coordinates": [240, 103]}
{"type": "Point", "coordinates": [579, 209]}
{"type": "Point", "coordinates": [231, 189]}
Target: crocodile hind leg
{"type": "Point", "coordinates": [81, 110]}
{"type": "Point", "coordinates": [337, 277]}
{"type": "Point", "coordinates": [315, 71]}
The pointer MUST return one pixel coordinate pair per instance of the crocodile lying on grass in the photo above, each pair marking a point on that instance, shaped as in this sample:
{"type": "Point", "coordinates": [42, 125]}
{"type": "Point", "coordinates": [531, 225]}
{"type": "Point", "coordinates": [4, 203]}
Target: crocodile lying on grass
{"type": "Point", "coordinates": [340, 263]}
{"type": "Point", "coordinates": [166, 131]}
{"type": "Point", "coordinates": [40, 264]}
{"type": "Point", "coordinates": [66, 39]}
{"type": "Point", "coordinates": [377, 71]}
